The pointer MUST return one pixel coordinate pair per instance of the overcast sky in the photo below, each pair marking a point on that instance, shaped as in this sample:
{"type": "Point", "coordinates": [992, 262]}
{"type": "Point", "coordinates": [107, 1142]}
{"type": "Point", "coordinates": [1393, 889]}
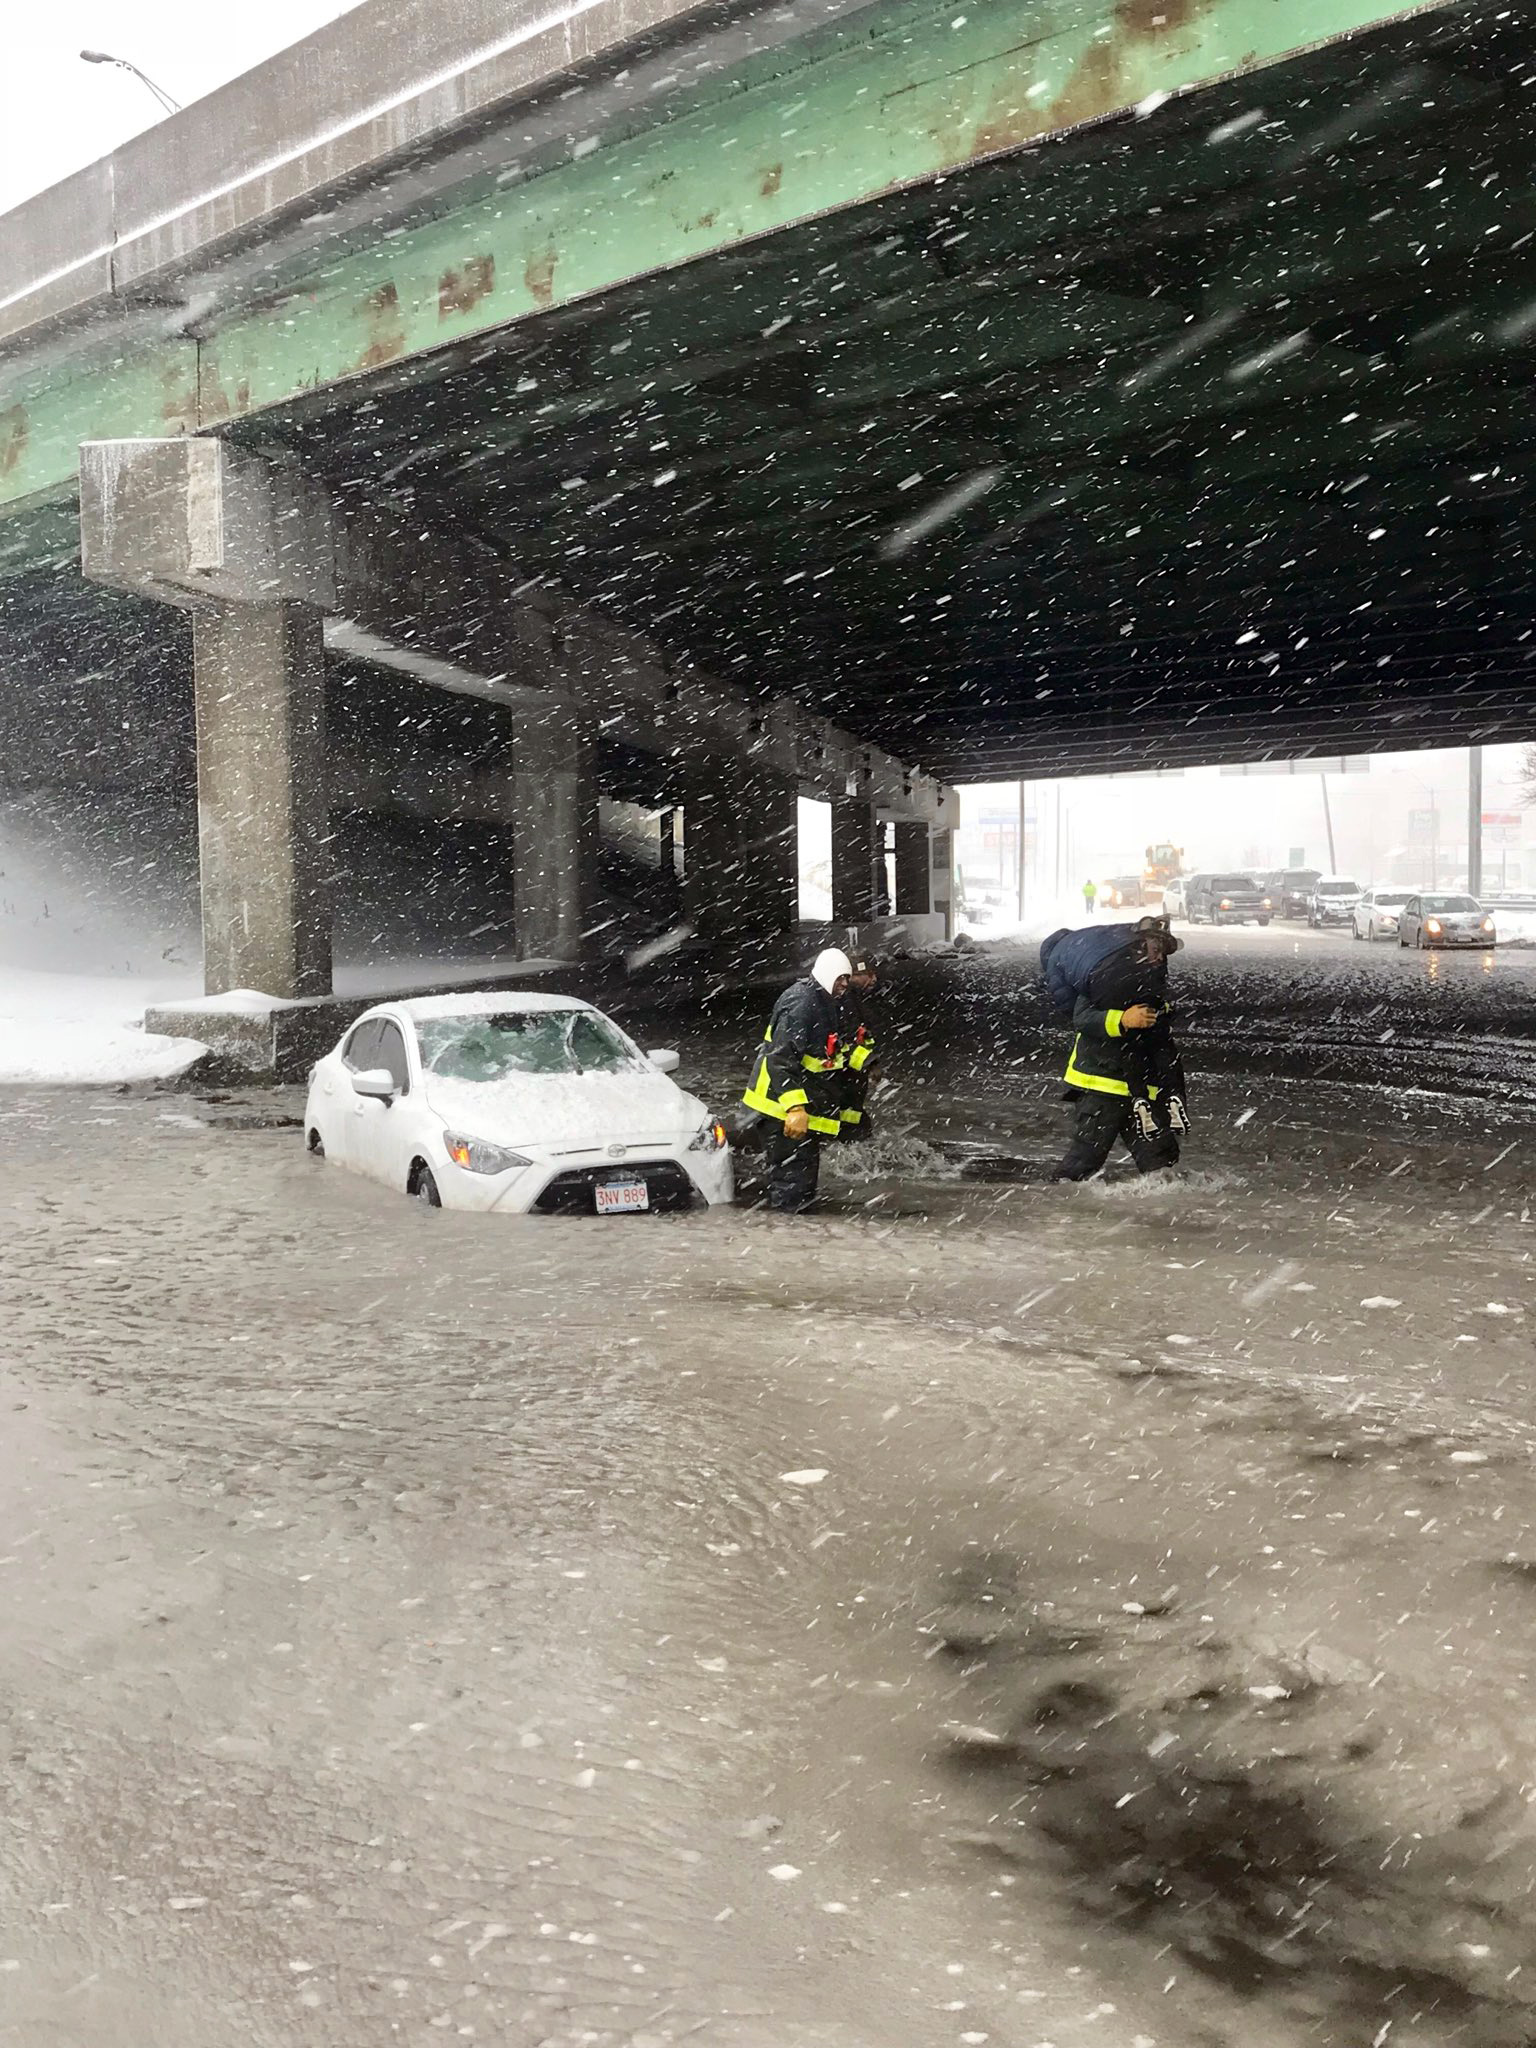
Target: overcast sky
{"type": "Point", "coordinates": [61, 113]}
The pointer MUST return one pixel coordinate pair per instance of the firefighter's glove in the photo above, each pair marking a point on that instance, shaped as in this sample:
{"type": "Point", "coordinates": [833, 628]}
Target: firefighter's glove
{"type": "Point", "coordinates": [797, 1121]}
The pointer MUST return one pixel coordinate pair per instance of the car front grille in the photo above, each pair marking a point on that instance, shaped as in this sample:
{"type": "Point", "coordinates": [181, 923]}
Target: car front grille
{"type": "Point", "coordinates": [570, 1193]}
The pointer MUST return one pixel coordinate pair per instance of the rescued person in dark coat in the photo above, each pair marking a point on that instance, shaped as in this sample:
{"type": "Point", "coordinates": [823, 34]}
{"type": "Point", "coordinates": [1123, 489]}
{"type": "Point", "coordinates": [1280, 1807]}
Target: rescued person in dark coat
{"type": "Point", "coordinates": [1125, 1077]}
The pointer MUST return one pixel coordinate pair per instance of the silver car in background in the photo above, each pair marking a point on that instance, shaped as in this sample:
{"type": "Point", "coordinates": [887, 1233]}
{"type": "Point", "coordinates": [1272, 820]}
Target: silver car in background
{"type": "Point", "coordinates": [1444, 920]}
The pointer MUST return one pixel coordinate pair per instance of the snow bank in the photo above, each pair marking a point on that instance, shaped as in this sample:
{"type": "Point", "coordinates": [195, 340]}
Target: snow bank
{"type": "Point", "coordinates": [80, 1029]}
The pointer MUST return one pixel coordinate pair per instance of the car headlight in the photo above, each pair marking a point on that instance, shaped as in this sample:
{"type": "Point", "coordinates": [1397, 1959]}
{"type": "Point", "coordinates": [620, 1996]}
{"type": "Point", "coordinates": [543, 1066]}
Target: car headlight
{"type": "Point", "coordinates": [1266, 904]}
{"type": "Point", "coordinates": [1487, 924]}
{"type": "Point", "coordinates": [709, 1137]}
{"type": "Point", "coordinates": [1432, 924]}
{"type": "Point", "coordinates": [477, 1156]}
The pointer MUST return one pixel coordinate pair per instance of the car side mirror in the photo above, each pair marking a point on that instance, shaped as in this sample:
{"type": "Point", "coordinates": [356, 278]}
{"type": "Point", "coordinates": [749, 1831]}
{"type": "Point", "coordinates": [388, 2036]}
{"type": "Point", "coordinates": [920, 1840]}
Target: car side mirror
{"type": "Point", "coordinates": [665, 1060]}
{"type": "Point", "coordinates": [377, 1082]}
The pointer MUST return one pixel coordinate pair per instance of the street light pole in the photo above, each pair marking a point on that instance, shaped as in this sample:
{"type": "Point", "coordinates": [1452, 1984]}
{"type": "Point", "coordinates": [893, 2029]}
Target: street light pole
{"type": "Point", "coordinates": [1474, 821]}
{"type": "Point", "coordinates": [1333, 858]}
{"type": "Point", "coordinates": [167, 104]}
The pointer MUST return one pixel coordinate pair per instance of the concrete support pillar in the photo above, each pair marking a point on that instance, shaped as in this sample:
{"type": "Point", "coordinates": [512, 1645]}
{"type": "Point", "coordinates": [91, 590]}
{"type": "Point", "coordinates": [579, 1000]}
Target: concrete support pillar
{"type": "Point", "coordinates": [555, 841]}
{"type": "Point", "coordinates": [855, 848]}
{"type": "Point", "coordinates": [914, 858]}
{"type": "Point", "coordinates": [742, 857]}
{"type": "Point", "coordinates": [942, 876]}
{"type": "Point", "coordinates": [263, 819]}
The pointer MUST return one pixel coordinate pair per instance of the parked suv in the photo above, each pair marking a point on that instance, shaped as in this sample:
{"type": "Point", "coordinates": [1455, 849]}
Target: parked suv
{"type": "Point", "coordinates": [1290, 890]}
{"type": "Point", "coordinates": [1333, 901]}
{"type": "Point", "coordinates": [1226, 899]}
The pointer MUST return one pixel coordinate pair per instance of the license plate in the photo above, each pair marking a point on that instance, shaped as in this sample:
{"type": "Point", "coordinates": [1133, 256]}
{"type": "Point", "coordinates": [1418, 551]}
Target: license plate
{"type": "Point", "coordinates": [619, 1197]}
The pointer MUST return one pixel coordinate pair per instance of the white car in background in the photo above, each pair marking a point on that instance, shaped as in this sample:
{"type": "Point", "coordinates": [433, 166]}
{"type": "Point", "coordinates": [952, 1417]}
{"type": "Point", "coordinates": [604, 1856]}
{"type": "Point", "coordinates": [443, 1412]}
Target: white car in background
{"type": "Point", "coordinates": [514, 1102]}
{"type": "Point", "coordinates": [1173, 897]}
{"type": "Point", "coordinates": [1377, 912]}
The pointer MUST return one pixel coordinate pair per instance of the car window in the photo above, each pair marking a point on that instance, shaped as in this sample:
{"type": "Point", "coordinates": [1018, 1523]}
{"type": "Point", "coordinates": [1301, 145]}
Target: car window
{"type": "Point", "coordinates": [391, 1054]}
{"type": "Point", "coordinates": [1338, 888]}
{"type": "Point", "coordinates": [1450, 903]}
{"type": "Point", "coordinates": [524, 1042]}
{"type": "Point", "coordinates": [1230, 882]}
{"type": "Point", "coordinates": [362, 1048]}
{"type": "Point", "coordinates": [1391, 896]}
{"type": "Point", "coordinates": [1412, 904]}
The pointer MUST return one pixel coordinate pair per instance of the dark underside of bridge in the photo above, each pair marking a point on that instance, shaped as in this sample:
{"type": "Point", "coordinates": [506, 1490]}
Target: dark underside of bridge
{"type": "Point", "coordinates": [1195, 436]}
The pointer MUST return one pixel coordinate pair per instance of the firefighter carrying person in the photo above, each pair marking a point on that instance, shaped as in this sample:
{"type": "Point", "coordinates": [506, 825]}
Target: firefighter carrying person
{"type": "Point", "coordinates": [798, 1077]}
{"type": "Point", "coordinates": [1125, 1077]}
{"type": "Point", "coordinates": [857, 1046]}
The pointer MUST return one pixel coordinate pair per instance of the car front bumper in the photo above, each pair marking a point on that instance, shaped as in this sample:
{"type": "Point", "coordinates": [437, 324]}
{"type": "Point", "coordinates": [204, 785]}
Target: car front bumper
{"type": "Point", "coordinates": [675, 1177]}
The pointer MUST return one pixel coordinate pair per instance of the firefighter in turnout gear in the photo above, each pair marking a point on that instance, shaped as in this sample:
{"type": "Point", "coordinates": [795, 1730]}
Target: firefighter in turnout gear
{"type": "Point", "coordinates": [1125, 1079]}
{"type": "Point", "coordinates": [857, 1044]}
{"type": "Point", "coordinates": [798, 1079]}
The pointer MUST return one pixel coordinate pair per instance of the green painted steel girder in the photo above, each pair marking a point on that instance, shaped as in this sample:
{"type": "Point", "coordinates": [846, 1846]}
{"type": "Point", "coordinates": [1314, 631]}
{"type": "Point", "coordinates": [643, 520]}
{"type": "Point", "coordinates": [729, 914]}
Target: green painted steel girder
{"type": "Point", "coordinates": [839, 119]}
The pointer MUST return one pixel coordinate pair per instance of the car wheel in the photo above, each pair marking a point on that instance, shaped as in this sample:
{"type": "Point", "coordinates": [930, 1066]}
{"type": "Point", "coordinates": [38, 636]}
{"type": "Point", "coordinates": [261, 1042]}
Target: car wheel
{"type": "Point", "coordinates": [1263, 921]}
{"type": "Point", "coordinates": [423, 1186]}
{"type": "Point", "coordinates": [315, 1145]}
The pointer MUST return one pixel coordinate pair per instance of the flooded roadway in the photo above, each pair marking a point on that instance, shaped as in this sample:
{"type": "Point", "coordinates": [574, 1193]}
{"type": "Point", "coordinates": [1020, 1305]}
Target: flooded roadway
{"type": "Point", "coordinates": [412, 1633]}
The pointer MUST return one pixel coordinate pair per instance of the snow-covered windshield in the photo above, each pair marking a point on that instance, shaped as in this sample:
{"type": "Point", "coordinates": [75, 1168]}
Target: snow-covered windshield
{"type": "Point", "coordinates": [1448, 902]}
{"type": "Point", "coordinates": [1340, 889]}
{"type": "Point", "coordinates": [1393, 895]}
{"type": "Point", "coordinates": [523, 1042]}
{"type": "Point", "coordinates": [1230, 882]}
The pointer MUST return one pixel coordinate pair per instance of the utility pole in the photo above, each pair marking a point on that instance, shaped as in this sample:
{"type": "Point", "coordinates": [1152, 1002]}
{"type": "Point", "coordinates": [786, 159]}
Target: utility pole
{"type": "Point", "coordinates": [1474, 821]}
{"type": "Point", "coordinates": [1333, 858]}
{"type": "Point", "coordinates": [1023, 807]}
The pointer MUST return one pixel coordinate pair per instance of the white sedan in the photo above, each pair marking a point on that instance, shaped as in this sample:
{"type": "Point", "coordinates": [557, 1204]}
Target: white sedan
{"type": "Point", "coordinates": [1377, 913]}
{"type": "Point", "coordinates": [514, 1102]}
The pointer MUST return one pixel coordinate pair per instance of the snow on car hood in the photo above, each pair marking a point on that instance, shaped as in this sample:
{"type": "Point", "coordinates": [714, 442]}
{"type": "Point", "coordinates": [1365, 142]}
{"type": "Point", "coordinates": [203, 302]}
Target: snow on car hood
{"type": "Point", "coordinates": [563, 1112]}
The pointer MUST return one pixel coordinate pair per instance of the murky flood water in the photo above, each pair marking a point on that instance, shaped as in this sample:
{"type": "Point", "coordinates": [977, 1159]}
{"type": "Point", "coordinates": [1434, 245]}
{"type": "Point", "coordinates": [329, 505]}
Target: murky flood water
{"type": "Point", "coordinates": [984, 1613]}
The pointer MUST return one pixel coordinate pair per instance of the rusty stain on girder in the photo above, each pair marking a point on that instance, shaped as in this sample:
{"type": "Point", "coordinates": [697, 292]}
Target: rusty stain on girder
{"type": "Point", "coordinates": [460, 289]}
{"type": "Point", "coordinates": [539, 275]}
{"type": "Point", "coordinates": [180, 405]}
{"type": "Point", "coordinates": [13, 437]}
{"type": "Point", "coordinates": [386, 328]}
{"type": "Point", "coordinates": [772, 179]}
{"type": "Point", "coordinates": [1106, 79]}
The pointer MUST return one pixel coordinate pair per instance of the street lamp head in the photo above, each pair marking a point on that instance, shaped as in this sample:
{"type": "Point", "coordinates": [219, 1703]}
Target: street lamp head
{"type": "Point", "coordinates": [168, 105]}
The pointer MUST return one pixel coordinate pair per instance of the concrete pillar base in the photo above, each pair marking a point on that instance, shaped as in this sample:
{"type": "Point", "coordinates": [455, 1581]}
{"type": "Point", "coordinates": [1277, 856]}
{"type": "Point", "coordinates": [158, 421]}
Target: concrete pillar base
{"type": "Point", "coordinates": [741, 881]}
{"type": "Point", "coordinates": [855, 844]}
{"type": "Point", "coordinates": [263, 821]}
{"type": "Point", "coordinates": [555, 841]}
{"type": "Point", "coordinates": [914, 870]}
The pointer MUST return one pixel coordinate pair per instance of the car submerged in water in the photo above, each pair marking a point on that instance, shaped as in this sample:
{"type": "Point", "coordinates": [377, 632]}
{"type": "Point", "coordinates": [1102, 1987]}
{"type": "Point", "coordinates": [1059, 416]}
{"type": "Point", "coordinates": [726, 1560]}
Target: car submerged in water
{"type": "Point", "coordinates": [514, 1102]}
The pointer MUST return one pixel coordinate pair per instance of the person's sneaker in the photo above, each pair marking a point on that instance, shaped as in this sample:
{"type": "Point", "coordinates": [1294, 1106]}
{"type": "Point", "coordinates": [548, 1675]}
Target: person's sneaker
{"type": "Point", "coordinates": [1146, 1117]}
{"type": "Point", "coordinates": [1178, 1116]}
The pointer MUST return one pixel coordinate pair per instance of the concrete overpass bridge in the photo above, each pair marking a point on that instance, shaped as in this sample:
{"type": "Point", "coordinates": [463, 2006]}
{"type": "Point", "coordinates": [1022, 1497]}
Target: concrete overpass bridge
{"type": "Point", "coordinates": [854, 396]}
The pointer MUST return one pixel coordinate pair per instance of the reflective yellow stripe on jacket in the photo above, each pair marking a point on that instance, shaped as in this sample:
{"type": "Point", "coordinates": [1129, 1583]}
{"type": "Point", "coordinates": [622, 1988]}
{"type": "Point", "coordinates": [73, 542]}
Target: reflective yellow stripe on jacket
{"type": "Point", "coordinates": [1097, 1084]}
{"type": "Point", "coordinates": [760, 1096]}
